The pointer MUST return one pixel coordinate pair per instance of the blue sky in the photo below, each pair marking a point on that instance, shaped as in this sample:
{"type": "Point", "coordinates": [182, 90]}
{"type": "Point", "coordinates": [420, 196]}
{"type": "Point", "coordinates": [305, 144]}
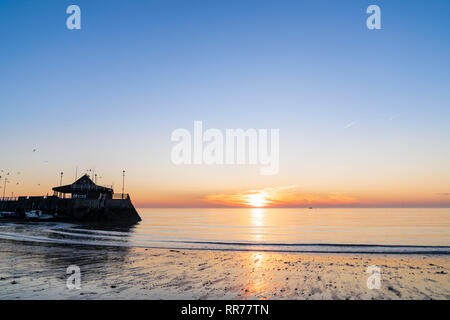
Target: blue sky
{"type": "Point", "coordinates": [137, 70]}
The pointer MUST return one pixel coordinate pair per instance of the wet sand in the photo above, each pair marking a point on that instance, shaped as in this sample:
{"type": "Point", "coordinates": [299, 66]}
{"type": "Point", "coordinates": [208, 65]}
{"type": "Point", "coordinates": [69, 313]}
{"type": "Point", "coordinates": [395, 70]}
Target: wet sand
{"type": "Point", "coordinates": [38, 271]}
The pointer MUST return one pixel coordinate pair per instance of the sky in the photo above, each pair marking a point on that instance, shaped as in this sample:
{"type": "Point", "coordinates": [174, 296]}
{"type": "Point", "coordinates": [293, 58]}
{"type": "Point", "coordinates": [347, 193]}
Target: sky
{"type": "Point", "coordinates": [363, 115]}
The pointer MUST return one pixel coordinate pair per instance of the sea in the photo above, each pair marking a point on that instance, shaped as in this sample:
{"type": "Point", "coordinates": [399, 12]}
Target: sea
{"type": "Point", "coordinates": [315, 230]}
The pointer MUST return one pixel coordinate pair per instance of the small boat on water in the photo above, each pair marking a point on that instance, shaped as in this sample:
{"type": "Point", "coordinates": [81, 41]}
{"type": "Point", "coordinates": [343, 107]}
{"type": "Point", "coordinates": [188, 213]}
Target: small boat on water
{"type": "Point", "coordinates": [38, 214]}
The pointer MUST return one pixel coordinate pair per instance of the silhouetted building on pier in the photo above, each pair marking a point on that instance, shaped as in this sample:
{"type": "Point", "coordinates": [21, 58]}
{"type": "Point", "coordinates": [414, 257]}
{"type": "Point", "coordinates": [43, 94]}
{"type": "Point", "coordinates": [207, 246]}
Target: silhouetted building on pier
{"type": "Point", "coordinates": [84, 188]}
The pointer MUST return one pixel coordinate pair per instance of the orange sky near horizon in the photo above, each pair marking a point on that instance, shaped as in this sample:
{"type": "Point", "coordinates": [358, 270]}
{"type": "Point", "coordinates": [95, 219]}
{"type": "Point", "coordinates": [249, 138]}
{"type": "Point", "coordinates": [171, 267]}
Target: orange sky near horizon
{"type": "Point", "coordinates": [163, 190]}
{"type": "Point", "coordinates": [264, 198]}
{"type": "Point", "coordinates": [185, 186]}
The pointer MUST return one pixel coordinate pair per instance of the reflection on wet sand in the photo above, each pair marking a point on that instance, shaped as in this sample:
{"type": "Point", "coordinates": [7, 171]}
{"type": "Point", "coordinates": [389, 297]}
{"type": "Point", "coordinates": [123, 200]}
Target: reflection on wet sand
{"type": "Point", "coordinates": [39, 272]}
{"type": "Point", "coordinates": [30, 268]}
{"type": "Point", "coordinates": [257, 281]}
{"type": "Point", "coordinates": [85, 256]}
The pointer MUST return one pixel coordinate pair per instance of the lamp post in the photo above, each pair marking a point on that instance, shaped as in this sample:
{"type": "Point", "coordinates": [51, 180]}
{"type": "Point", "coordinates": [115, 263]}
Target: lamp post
{"type": "Point", "coordinates": [60, 181]}
{"type": "Point", "coordinates": [123, 182]}
{"type": "Point", "coordinates": [4, 188]}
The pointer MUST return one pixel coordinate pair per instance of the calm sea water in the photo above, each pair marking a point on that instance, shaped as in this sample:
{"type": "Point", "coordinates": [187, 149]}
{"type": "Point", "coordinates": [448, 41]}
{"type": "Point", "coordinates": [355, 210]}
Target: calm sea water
{"type": "Point", "coordinates": [293, 230]}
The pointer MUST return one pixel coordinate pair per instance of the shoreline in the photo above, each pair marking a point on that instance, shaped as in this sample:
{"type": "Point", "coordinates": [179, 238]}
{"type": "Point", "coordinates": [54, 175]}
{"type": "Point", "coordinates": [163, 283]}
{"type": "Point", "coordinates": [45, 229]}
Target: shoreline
{"type": "Point", "coordinates": [38, 271]}
{"type": "Point", "coordinates": [32, 241]}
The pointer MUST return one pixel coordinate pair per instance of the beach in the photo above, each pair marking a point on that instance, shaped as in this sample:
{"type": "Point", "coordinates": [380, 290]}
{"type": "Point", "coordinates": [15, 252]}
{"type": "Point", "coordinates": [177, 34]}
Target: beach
{"type": "Point", "coordinates": [38, 271]}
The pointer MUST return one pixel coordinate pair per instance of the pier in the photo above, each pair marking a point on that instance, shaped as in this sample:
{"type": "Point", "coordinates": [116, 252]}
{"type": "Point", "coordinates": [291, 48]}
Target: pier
{"type": "Point", "coordinates": [82, 200]}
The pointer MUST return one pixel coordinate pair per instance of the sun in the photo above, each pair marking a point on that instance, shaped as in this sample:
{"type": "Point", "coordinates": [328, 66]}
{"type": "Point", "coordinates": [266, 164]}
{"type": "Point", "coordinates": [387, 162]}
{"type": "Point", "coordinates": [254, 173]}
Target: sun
{"type": "Point", "coordinates": [256, 200]}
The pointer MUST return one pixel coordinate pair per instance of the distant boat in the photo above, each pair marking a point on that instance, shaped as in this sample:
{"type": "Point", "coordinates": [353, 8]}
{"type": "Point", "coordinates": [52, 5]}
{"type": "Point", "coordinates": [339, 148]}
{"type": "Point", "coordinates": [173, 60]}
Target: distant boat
{"type": "Point", "coordinates": [310, 207]}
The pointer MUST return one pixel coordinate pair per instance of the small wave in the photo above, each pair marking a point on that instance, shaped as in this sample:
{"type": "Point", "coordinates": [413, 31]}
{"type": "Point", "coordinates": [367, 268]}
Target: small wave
{"type": "Point", "coordinates": [118, 241]}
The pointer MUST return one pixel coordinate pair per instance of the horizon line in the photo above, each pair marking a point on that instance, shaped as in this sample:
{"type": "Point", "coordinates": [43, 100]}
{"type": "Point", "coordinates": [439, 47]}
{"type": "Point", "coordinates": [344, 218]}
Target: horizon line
{"type": "Point", "coordinates": [295, 207]}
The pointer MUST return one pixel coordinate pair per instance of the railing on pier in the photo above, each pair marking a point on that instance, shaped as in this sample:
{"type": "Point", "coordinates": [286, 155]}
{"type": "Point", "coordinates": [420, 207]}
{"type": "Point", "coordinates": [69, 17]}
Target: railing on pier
{"type": "Point", "coordinates": [120, 196]}
{"type": "Point", "coordinates": [23, 198]}
{"type": "Point", "coordinates": [9, 198]}
{"type": "Point", "coordinates": [61, 196]}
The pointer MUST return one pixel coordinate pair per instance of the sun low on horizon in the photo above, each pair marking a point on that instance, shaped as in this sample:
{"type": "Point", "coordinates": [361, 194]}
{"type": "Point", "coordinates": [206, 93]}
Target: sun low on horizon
{"type": "Point", "coordinates": [257, 200]}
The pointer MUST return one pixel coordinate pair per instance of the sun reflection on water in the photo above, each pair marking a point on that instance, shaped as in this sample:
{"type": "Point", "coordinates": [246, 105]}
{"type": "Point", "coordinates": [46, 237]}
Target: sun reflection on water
{"type": "Point", "coordinates": [257, 222]}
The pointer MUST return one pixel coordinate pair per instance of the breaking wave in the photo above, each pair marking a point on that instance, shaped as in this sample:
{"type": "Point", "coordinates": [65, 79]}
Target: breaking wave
{"type": "Point", "coordinates": [69, 234]}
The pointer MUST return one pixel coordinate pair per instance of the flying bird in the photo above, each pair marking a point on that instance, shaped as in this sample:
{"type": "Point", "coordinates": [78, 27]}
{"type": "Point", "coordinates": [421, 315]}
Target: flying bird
{"type": "Point", "coordinates": [351, 124]}
{"type": "Point", "coordinates": [392, 118]}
